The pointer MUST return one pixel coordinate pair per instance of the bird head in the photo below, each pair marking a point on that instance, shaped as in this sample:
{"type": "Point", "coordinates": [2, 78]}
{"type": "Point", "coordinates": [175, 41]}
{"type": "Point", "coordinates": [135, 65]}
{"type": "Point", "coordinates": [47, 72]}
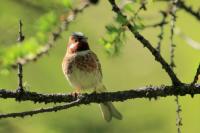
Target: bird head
{"type": "Point", "coordinates": [77, 42]}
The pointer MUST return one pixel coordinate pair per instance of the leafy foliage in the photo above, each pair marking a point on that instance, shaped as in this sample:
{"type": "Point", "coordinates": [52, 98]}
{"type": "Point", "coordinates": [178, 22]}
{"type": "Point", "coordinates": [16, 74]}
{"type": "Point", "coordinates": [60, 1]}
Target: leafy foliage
{"type": "Point", "coordinates": [10, 55]}
{"type": "Point", "coordinates": [67, 3]}
{"type": "Point", "coordinates": [115, 33]}
{"type": "Point", "coordinates": [44, 25]}
{"type": "Point", "coordinates": [114, 40]}
{"type": "Point", "coordinates": [46, 21]}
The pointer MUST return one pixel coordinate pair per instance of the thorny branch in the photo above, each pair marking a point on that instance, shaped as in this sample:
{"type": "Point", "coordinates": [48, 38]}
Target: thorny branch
{"type": "Point", "coordinates": [54, 36]}
{"type": "Point", "coordinates": [148, 92]}
{"type": "Point", "coordinates": [172, 64]}
{"type": "Point", "coordinates": [160, 36]}
{"type": "Point", "coordinates": [20, 67]}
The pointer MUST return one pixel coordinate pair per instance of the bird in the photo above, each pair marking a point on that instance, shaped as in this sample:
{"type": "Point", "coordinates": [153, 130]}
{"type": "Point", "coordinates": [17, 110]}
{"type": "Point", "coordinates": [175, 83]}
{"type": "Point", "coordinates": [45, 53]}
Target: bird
{"type": "Point", "coordinates": [82, 69]}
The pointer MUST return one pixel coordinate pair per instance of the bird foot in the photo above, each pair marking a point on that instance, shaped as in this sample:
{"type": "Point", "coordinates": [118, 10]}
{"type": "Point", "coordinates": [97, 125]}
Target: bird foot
{"type": "Point", "coordinates": [75, 94]}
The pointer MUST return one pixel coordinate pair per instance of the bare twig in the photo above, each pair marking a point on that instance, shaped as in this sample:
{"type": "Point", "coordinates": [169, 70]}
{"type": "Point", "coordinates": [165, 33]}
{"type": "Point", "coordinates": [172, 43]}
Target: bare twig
{"type": "Point", "coordinates": [148, 45]}
{"type": "Point", "coordinates": [172, 64]}
{"type": "Point", "coordinates": [196, 76]}
{"type": "Point", "coordinates": [172, 44]}
{"type": "Point", "coordinates": [160, 36]}
{"type": "Point", "coordinates": [142, 7]}
{"type": "Point", "coordinates": [20, 67]}
{"type": "Point", "coordinates": [159, 24]}
{"type": "Point", "coordinates": [178, 115]}
{"type": "Point", "coordinates": [182, 5]}
{"type": "Point", "coordinates": [42, 110]}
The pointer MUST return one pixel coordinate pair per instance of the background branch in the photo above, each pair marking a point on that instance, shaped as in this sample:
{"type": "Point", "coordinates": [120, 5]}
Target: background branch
{"type": "Point", "coordinates": [181, 4]}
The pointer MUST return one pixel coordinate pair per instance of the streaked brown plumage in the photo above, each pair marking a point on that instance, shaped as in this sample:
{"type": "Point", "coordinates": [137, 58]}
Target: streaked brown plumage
{"type": "Point", "coordinates": [83, 71]}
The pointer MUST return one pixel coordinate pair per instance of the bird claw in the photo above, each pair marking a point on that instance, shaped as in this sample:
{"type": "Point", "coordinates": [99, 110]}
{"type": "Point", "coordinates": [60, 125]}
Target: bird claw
{"type": "Point", "coordinates": [75, 94]}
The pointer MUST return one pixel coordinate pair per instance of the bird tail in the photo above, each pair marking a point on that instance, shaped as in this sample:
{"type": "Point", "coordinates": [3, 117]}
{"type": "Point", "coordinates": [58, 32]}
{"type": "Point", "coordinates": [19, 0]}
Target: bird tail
{"type": "Point", "coordinates": [107, 108]}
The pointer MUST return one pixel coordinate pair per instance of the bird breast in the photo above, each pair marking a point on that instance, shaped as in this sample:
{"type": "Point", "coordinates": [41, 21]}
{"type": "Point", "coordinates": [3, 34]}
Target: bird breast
{"type": "Point", "coordinates": [82, 69]}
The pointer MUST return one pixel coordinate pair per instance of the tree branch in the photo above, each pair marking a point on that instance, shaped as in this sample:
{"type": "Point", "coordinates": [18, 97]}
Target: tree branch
{"type": "Point", "coordinates": [181, 4]}
{"type": "Point", "coordinates": [42, 110]}
{"type": "Point", "coordinates": [143, 92]}
{"type": "Point", "coordinates": [196, 76]}
{"type": "Point", "coordinates": [147, 44]}
{"type": "Point", "coordinates": [119, 96]}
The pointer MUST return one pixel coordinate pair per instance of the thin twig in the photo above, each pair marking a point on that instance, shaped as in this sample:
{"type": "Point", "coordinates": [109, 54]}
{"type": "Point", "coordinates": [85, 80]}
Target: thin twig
{"type": "Point", "coordinates": [172, 63]}
{"type": "Point", "coordinates": [142, 7]}
{"type": "Point", "coordinates": [159, 24]}
{"type": "Point", "coordinates": [42, 110]}
{"type": "Point", "coordinates": [182, 5]}
{"type": "Point", "coordinates": [172, 45]}
{"type": "Point", "coordinates": [20, 67]}
{"type": "Point", "coordinates": [196, 76]}
{"type": "Point", "coordinates": [160, 36]}
{"type": "Point", "coordinates": [178, 115]}
{"type": "Point", "coordinates": [147, 44]}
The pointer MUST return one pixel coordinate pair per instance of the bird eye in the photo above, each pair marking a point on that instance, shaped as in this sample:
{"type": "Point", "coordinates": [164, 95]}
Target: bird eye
{"type": "Point", "coordinates": [75, 40]}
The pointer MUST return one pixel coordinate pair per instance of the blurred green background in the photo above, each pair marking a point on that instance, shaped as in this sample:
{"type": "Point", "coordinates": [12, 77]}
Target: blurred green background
{"type": "Point", "coordinates": [134, 67]}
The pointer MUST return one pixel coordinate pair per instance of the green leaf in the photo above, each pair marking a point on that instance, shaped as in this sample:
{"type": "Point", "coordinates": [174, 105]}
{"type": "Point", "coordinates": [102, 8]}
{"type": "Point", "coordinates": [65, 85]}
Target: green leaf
{"type": "Point", "coordinates": [113, 40]}
{"type": "Point", "coordinates": [111, 28]}
{"type": "Point", "coordinates": [45, 23]}
{"type": "Point", "coordinates": [42, 37]}
{"type": "Point", "coordinates": [67, 3]}
{"type": "Point", "coordinates": [121, 19]}
{"type": "Point", "coordinates": [128, 7]}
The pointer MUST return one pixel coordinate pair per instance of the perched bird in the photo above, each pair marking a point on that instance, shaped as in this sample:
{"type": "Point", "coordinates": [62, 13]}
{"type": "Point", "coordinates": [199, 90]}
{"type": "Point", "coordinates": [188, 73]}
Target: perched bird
{"type": "Point", "coordinates": [83, 71]}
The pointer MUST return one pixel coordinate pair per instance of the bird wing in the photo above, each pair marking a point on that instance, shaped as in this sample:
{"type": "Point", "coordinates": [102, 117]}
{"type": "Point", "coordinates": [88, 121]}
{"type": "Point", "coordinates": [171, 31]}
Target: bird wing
{"type": "Point", "coordinates": [98, 64]}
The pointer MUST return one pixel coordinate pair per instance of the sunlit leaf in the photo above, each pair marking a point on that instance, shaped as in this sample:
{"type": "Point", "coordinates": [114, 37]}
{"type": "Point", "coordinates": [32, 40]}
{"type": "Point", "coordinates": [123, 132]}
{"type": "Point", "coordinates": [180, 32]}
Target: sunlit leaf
{"type": "Point", "coordinates": [44, 24]}
{"type": "Point", "coordinates": [128, 7]}
{"type": "Point", "coordinates": [67, 3]}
